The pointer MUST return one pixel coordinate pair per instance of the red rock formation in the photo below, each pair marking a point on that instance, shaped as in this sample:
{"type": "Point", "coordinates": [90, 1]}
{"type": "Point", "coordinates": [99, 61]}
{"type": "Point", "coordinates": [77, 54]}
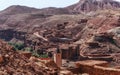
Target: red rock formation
{"type": "Point", "coordinates": [12, 62]}
{"type": "Point", "coordinates": [93, 5]}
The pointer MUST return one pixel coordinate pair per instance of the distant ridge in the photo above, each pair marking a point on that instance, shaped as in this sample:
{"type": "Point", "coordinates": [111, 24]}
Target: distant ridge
{"type": "Point", "coordinates": [17, 9]}
{"type": "Point", "coordinates": [93, 5]}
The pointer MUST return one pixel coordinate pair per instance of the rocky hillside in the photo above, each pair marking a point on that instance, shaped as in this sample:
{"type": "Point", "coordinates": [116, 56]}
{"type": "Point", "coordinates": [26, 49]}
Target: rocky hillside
{"type": "Point", "coordinates": [93, 5]}
{"type": "Point", "coordinates": [14, 63]}
{"type": "Point", "coordinates": [63, 25]}
{"type": "Point", "coordinates": [17, 9]}
{"type": "Point", "coordinates": [87, 30]}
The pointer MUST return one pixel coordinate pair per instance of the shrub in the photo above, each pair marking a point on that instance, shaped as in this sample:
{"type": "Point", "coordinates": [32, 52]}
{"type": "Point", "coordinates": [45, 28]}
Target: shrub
{"type": "Point", "coordinates": [39, 56]}
{"type": "Point", "coordinates": [28, 49]}
{"type": "Point", "coordinates": [17, 46]}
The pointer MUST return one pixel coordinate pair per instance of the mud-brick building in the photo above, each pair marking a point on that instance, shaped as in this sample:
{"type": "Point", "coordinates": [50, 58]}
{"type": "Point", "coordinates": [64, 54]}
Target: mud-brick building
{"type": "Point", "coordinates": [69, 51]}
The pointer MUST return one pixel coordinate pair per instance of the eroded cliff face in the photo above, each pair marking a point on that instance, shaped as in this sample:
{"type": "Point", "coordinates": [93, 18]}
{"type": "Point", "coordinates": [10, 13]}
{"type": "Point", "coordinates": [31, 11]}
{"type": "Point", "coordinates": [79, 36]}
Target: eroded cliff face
{"type": "Point", "coordinates": [100, 39]}
{"type": "Point", "coordinates": [93, 5]}
{"type": "Point", "coordinates": [10, 34]}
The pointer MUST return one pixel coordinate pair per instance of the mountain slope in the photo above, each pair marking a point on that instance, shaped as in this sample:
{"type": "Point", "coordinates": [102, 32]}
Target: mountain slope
{"type": "Point", "coordinates": [93, 5]}
{"type": "Point", "coordinates": [17, 9]}
{"type": "Point", "coordinates": [58, 25]}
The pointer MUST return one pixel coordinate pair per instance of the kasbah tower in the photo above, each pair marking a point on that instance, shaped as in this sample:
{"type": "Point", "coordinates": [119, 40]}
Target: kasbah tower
{"type": "Point", "coordinates": [58, 57]}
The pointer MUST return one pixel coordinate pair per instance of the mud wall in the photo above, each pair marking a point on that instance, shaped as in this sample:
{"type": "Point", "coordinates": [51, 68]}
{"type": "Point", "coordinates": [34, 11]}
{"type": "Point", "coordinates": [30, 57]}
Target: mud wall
{"type": "Point", "coordinates": [102, 69]}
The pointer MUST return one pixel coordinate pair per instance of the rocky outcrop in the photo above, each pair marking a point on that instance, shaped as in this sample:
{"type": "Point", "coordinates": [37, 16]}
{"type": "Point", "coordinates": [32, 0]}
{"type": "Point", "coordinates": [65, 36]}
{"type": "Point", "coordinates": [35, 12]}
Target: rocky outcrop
{"type": "Point", "coordinates": [93, 67]}
{"type": "Point", "coordinates": [11, 34]}
{"type": "Point", "coordinates": [12, 62]}
{"type": "Point", "coordinates": [93, 5]}
{"type": "Point", "coordinates": [100, 39]}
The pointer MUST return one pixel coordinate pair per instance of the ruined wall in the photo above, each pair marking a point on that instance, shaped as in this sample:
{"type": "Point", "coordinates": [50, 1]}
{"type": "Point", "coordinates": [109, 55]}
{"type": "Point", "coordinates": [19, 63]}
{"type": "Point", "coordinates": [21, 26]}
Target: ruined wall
{"type": "Point", "coordinates": [105, 71]}
{"type": "Point", "coordinates": [97, 69]}
{"type": "Point", "coordinates": [70, 51]}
